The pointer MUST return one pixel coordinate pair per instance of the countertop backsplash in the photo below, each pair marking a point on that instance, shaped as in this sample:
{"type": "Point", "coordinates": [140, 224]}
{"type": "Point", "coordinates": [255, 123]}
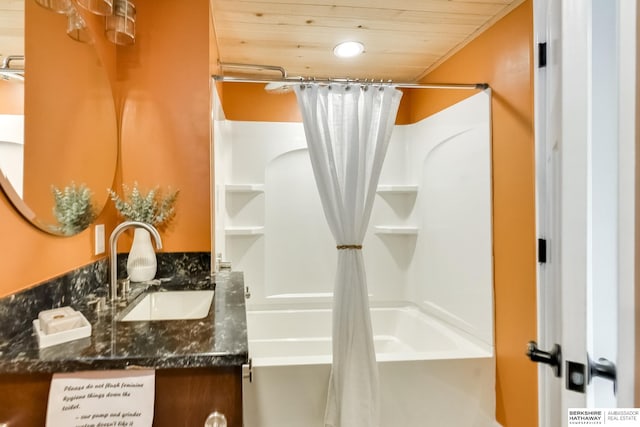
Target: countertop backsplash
{"type": "Point", "coordinates": [73, 288]}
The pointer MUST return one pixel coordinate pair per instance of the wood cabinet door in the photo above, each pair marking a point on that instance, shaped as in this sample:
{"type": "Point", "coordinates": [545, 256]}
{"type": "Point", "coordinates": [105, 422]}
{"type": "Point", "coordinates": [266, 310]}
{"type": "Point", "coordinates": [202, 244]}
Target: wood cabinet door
{"type": "Point", "coordinates": [185, 397]}
{"type": "Point", "coordinates": [23, 399]}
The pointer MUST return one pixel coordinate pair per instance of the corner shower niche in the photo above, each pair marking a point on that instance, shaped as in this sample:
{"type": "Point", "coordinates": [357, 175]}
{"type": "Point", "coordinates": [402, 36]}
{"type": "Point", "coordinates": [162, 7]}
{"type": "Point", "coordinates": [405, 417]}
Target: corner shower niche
{"type": "Point", "coordinates": [429, 239]}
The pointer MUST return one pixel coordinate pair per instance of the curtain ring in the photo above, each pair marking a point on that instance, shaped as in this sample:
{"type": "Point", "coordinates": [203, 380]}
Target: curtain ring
{"type": "Point", "coordinates": [342, 247]}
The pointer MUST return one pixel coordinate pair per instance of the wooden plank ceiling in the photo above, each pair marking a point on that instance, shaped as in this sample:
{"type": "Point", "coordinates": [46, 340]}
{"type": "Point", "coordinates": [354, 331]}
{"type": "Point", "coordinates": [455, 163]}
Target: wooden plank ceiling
{"type": "Point", "coordinates": [403, 38]}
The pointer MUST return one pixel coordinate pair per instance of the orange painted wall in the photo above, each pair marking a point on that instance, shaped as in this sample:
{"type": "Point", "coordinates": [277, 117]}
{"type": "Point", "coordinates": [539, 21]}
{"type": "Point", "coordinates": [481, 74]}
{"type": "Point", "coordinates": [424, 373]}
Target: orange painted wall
{"type": "Point", "coordinates": [280, 107]}
{"type": "Point", "coordinates": [502, 57]}
{"type": "Point", "coordinates": [164, 96]}
{"type": "Point", "coordinates": [161, 88]}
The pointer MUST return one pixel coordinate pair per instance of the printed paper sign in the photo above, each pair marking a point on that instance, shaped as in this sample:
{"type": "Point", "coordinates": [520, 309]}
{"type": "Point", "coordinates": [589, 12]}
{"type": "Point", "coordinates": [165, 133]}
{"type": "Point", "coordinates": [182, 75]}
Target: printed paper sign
{"type": "Point", "coordinates": [102, 399]}
{"type": "Point", "coordinates": [611, 417]}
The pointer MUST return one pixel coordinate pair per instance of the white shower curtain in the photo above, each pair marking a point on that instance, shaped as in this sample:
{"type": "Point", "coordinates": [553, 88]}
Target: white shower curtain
{"type": "Point", "coordinates": [348, 128]}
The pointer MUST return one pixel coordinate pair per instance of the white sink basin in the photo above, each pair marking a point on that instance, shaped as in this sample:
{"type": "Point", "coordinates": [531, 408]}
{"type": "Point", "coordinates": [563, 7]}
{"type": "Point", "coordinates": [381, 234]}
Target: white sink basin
{"type": "Point", "coordinates": [171, 305]}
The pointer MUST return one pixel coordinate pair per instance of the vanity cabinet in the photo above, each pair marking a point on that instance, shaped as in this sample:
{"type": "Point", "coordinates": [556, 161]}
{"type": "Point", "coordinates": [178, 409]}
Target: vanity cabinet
{"type": "Point", "coordinates": [198, 363]}
{"type": "Point", "coordinates": [184, 397]}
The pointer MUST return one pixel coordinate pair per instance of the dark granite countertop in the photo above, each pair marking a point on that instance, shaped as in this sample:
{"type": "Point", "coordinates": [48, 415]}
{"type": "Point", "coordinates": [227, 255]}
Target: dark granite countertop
{"type": "Point", "coordinates": [220, 339]}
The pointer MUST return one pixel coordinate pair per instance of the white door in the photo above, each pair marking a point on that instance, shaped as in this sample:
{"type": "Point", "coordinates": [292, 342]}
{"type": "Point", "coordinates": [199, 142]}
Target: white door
{"type": "Point", "coordinates": [585, 149]}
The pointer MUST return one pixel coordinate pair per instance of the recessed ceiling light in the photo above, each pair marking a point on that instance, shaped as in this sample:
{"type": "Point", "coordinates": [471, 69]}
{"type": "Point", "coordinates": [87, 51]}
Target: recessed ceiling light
{"type": "Point", "coordinates": [348, 49]}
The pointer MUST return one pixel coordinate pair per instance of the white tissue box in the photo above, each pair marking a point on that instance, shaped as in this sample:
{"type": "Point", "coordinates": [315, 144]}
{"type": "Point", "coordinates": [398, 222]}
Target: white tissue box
{"type": "Point", "coordinates": [59, 320]}
{"type": "Point", "coordinates": [81, 329]}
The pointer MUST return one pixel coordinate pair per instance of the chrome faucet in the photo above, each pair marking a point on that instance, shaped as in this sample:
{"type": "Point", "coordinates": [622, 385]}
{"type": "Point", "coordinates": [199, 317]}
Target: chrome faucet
{"type": "Point", "coordinates": [113, 240]}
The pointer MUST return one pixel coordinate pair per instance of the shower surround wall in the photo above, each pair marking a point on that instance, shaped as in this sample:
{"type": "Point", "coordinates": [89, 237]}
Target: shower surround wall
{"type": "Point", "coordinates": [428, 258]}
{"type": "Point", "coordinates": [429, 238]}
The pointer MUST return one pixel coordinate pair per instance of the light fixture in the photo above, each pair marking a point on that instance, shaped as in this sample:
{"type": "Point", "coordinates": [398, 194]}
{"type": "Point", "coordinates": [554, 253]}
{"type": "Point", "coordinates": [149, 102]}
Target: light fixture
{"type": "Point", "coordinates": [98, 7]}
{"type": "Point", "coordinates": [57, 6]}
{"type": "Point", "coordinates": [120, 22]}
{"type": "Point", "coordinates": [348, 49]}
{"type": "Point", "coordinates": [121, 26]}
{"type": "Point", "coordinates": [76, 27]}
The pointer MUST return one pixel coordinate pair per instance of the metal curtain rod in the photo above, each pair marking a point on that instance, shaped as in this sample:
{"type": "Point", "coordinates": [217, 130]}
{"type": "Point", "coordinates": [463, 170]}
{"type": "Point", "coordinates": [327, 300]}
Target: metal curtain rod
{"type": "Point", "coordinates": [11, 71]}
{"type": "Point", "coordinates": [471, 86]}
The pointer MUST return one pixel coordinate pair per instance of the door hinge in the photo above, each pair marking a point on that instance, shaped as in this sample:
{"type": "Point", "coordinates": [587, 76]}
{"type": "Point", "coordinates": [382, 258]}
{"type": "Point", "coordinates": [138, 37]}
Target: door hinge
{"type": "Point", "coordinates": [542, 251]}
{"type": "Point", "coordinates": [542, 55]}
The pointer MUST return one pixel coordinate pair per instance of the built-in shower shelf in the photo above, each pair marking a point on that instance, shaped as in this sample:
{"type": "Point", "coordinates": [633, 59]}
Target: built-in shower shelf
{"type": "Point", "coordinates": [244, 188]}
{"type": "Point", "coordinates": [396, 229]}
{"type": "Point", "coordinates": [244, 231]}
{"type": "Point", "coordinates": [397, 189]}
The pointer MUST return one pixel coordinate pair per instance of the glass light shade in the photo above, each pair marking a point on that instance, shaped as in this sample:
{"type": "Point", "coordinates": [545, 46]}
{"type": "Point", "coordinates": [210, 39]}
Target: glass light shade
{"type": "Point", "coordinates": [98, 7]}
{"type": "Point", "coordinates": [348, 49]}
{"type": "Point", "coordinates": [76, 27]}
{"type": "Point", "coordinates": [58, 6]}
{"type": "Point", "coordinates": [121, 26]}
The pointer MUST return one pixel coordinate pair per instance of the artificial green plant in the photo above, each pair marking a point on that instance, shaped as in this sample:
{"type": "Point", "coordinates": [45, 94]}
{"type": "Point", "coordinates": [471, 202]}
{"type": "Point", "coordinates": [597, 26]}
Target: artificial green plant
{"type": "Point", "coordinates": [152, 207]}
{"type": "Point", "coordinates": [73, 208]}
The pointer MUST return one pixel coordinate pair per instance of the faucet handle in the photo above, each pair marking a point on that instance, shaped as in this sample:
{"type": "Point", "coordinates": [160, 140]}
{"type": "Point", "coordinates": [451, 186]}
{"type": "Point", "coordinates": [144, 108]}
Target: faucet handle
{"type": "Point", "coordinates": [99, 302]}
{"type": "Point", "coordinates": [124, 285]}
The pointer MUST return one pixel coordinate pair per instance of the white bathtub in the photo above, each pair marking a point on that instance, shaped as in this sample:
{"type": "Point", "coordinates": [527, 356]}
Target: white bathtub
{"type": "Point", "coordinates": [430, 375]}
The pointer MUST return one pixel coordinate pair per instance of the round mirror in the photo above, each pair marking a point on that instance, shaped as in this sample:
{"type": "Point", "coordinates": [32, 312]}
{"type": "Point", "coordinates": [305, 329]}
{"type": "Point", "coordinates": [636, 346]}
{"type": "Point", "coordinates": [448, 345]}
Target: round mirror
{"type": "Point", "coordinates": [58, 144]}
